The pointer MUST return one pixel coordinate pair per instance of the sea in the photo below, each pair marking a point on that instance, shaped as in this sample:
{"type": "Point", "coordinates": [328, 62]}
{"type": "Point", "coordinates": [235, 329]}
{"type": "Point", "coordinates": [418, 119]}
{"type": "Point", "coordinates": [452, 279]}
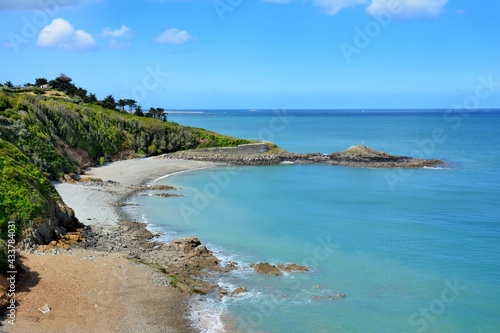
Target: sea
{"type": "Point", "coordinates": [388, 250]}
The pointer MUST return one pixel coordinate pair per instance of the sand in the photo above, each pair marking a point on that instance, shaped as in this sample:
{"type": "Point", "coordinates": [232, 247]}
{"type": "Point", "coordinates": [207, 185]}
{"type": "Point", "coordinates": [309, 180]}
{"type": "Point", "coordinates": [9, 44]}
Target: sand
{"type": "Point", "coordinates": [95, 205]}
{"type": "Point", "coordinates": [92, 291]}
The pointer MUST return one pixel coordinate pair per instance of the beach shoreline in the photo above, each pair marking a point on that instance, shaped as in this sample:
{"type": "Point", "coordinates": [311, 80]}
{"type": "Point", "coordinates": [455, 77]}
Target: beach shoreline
{"type": "Point", "coordinates": [98, 199]}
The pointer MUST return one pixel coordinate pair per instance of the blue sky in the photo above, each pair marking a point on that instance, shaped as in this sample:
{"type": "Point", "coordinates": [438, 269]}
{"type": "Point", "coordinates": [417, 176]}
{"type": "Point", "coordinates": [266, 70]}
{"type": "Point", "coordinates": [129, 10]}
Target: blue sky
{"type": "Point", "coordinates": [192, 54]}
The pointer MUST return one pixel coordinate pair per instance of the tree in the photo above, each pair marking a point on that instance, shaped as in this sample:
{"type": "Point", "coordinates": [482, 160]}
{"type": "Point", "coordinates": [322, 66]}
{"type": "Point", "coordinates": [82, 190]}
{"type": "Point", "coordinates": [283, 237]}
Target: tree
{"type": "Point", "coordinates": [109, 102]}
{"type": "Point", "coordinates": [138, 111]}
{"type": "Point", "coordinates": [9, 84]}
{"type": "Point", "coordinates": [159, 113]}
{"type": "Point", "coordinates": [92, 98]}
{"type": "Point", "coordinates": [150, 113]}
{"type": "Point", "coordinates": [131, 104]}
{"type": "Point", "coordinates": [63, 83]}
{"type": "Point", "coordinates": [121, 103]}
{"type": "Point", "coordinates": [80, 92]}
{"type": "Point", "coordinates": [41, 81]}
{"type": "Point", "coordinates": [155, 112]}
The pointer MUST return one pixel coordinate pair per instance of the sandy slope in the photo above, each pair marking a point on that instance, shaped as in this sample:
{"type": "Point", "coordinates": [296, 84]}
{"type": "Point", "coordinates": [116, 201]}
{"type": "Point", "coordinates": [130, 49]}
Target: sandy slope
{"type": "Point", "coordinates": [91, 291]}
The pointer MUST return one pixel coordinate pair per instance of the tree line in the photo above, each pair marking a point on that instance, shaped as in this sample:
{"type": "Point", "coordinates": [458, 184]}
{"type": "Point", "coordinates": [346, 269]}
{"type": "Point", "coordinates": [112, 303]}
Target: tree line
{"type": "Point", "coordinates": [65, 84]}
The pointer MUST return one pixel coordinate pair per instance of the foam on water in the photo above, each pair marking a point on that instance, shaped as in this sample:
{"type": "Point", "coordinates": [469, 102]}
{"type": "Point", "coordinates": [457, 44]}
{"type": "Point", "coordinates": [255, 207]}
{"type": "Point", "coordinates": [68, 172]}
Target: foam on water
{"type": "Point", "coordinates": [206, 316]}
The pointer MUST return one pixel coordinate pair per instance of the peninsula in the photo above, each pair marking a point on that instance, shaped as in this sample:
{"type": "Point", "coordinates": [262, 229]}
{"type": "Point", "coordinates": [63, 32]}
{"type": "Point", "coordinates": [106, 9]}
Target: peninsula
{"type": "Point", "coordinates": [266, 153]}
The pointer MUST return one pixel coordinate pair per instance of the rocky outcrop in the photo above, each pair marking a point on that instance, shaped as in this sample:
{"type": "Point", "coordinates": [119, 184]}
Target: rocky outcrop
{"type": "Point", "coordinates": [60, 221]}
{"type": "Point", "coordinates": [188, 252]}
{"type": "Point", "coordinates": [239, 290]}
{"type": "Point", "coordinates": [185, 261]}
{"type": "Point", "coordinates": [269, 269]}
{"type": "Point", "coordinates": [356, 156]}
{"type": "Point", "coordinates": [293, 268]}
{"type": "Point", "coordinates": [266, 269]}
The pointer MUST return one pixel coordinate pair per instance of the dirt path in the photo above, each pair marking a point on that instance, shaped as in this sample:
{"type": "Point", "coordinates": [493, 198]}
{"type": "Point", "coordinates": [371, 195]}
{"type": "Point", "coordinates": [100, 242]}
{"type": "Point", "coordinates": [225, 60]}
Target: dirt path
{"type": "Point", "coordinates": [90, 291]}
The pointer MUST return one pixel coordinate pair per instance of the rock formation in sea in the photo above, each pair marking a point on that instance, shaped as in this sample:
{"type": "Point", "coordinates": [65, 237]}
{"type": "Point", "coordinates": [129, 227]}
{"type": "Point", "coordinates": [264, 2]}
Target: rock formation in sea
{"type": "Point", "coordinates": [269, 269]}
{"type": "Point", "coordinates": [268, 154]}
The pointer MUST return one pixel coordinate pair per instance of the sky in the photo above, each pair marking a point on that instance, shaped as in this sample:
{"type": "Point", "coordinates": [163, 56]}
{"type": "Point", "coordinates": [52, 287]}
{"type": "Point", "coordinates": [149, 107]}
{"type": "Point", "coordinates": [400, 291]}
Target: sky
{"type": "Point", "coordinates": [261, 54]}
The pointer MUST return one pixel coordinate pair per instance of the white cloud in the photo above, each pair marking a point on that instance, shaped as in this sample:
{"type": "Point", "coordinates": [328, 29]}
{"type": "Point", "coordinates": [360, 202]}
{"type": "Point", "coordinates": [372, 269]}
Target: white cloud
{"type": "Point", "coordinates": [173, 36]}
{"type": "Point", "coordinates": [123, 32]}
{"type": "Point", "coordinates": [61, 34]}
{"type": "Point", "coordinates": [408, 8]}
{"type": "Point", "coordinates": [332, 7]}
{"type": "Point", "coordinates": [40, 5]}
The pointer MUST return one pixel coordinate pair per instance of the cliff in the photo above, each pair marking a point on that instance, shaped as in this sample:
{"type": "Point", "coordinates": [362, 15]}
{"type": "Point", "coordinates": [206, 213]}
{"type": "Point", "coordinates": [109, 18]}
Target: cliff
{"type": "Point", "coordinates": [29, 200]}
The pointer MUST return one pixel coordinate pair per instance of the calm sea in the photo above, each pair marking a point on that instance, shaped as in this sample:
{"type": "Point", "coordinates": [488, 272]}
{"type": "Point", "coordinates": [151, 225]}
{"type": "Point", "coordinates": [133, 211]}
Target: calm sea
{"type": "Point", "coordinates": [412, 250]}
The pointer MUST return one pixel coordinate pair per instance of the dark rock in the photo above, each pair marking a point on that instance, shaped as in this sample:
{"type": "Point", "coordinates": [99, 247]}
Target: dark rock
{"type": "Point", "coordinates": [240, 290]}
{"type": "Point", "coordinates": [230, 266]}
{"type": "Point", "coordinates": [328, 297]}
{"type": "Point", "coordinates": [293, 268]}
{"type": "Point", "coordinates": [266, 269]}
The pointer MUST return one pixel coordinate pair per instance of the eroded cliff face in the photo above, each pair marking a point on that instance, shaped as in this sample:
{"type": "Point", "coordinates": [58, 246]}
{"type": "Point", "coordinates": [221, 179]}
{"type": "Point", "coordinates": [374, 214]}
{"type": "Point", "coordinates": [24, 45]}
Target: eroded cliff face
{"type": "Point", "coordinates": [61, 220]}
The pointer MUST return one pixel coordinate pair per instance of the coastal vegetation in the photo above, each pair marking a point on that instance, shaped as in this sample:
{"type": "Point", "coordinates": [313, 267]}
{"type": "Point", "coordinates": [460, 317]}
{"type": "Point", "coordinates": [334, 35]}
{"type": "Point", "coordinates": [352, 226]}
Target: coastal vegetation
{"type": "Point", "coordinates": [26, 195]}
{"type": "Point", "coordinates": [52, 128]}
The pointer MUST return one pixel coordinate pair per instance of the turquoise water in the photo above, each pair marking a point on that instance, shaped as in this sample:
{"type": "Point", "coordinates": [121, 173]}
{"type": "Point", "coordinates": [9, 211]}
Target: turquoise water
{"type": "Point", "coordinates": [413, 250]}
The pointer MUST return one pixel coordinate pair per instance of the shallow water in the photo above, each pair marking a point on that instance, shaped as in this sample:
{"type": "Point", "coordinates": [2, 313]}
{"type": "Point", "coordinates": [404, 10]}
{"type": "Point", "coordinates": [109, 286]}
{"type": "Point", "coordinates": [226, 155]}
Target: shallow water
{"type": "Point", "coordinates": [413, 250]}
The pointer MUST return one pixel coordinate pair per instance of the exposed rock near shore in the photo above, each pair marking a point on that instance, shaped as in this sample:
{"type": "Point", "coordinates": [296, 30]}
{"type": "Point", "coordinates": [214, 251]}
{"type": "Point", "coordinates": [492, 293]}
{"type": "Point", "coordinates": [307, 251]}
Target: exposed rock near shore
{"type": "Point", "coordinates": [186, 261]}
{"type": "Point", "coordinates": [266, 269]}
{"type": "Point", "coordinates": [269, 269]}
{"type": "Point", "coordinates": [356, 156]}
{"type": "Point", "coordinates": [293, 268]}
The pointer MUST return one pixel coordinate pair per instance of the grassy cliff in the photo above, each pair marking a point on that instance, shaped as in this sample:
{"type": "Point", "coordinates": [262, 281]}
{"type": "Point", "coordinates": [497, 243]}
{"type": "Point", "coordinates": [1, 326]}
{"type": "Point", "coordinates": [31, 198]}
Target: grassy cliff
{"type": "Point", "coordinates": [61, 136]}
{"type": "Point", "coordinates": [29, 200]}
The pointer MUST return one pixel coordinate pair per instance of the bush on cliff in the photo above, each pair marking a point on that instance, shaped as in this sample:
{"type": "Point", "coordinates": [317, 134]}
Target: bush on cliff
{"type": "Point", "coordinates": [26, 196]}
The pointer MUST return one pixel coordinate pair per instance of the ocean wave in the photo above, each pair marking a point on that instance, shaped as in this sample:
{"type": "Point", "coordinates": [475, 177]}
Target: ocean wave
{"type": "Point", "coordinates": [206, 316]}
{"type": "Point", "coordinates": [177, 173]}
{"type": "Point", "coordinates": [436, 168]}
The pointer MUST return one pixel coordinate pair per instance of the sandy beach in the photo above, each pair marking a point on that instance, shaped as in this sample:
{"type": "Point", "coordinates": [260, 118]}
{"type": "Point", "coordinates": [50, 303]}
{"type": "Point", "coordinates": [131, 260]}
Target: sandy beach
{"type": "Point", "coordinates": [96, 205]}
{"type": "Point", "coordinates": [90, 290]}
